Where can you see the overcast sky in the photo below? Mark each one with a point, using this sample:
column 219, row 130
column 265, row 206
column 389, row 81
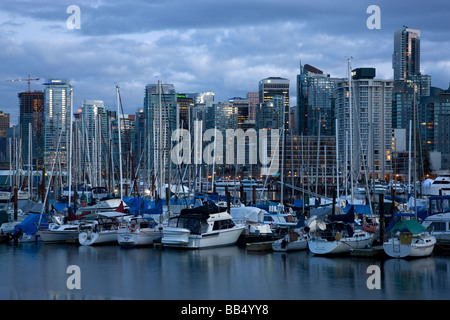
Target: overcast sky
column 205, row 45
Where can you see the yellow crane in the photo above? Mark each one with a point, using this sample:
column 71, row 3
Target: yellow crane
column 28, row 80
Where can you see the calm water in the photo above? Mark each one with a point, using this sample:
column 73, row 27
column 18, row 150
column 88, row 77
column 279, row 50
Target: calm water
column 38, row 271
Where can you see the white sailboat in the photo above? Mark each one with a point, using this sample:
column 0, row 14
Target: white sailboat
column 59, row 232
column 294, row 240
column 139, row 231
column 339, row 236
column 103, row 230
column 409, row 239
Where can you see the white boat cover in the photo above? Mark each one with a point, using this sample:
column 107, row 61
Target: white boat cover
column 248, row 214
column 112, row 214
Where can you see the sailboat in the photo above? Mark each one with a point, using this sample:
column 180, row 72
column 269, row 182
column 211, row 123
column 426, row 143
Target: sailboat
column 103, row 230
column 338, row 235
column 409, row 239
column 139, row 231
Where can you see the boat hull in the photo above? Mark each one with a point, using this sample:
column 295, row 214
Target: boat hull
column 182, row 238
column 138, row 238
column 395, row 248
column 89, row 238
column 321, row 246
column 291, row 242
column 289, row 246
column 49, row 236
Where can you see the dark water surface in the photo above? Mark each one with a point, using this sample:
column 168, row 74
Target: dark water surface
column 39, row 271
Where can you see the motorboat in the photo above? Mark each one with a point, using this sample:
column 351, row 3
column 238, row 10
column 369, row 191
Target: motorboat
column 439, row 226
column 439, row 185
column 139, row 231
column 277, row 220
column 409, row 239
column 201, row 227
column 294, row 240
column 27, row 229
column 252, row 218
column 5, row 193
column 103, row 229
column 395, row 187
column 338, row 235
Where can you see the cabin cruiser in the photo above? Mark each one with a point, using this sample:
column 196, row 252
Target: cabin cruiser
column 440, row 184
column 139, row 231
column 201, row 227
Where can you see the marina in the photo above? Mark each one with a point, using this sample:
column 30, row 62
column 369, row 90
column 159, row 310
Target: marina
column 324, row 256
column 39, row 271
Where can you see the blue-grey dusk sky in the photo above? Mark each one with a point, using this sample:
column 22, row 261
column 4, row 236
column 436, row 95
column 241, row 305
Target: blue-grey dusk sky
column 205, row 45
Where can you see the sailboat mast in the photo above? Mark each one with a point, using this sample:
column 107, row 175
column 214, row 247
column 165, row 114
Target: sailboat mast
column 119, row 131
column 70, row 147
column 409, row 160
column 351, row 125
column 337, row 158
column 160, row 158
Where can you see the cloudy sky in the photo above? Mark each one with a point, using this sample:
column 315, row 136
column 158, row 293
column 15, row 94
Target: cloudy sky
column 205, row 45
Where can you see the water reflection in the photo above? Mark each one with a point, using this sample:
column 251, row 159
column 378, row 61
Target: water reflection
column 31, row 271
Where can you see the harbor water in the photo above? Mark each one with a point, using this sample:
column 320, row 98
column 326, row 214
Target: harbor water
column 43, row 272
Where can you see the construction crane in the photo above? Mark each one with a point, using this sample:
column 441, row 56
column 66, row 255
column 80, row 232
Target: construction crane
column 28, row 80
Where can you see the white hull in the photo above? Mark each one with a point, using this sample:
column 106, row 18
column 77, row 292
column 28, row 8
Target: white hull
column 300, row 244
column 420, row 247
column 321, row 246
column 90, row 238
column 182, row 238
column 291, row 242
column 138, row 238
column 49, row 236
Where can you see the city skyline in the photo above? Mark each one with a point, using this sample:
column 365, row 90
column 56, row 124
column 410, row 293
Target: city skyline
column 199, row 46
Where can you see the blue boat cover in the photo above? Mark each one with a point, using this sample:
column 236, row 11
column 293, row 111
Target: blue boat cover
column 29, row 224
column 359, row 208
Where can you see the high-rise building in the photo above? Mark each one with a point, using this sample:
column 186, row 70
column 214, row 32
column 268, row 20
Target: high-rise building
column 58, row 109
column 185, row 105
column 315, row 102
column 32, row 112
column 253, row 99
column 162, row 118
column 95, row 131
column 272, row 87
column 406, row 57
column 434, row 124
column 371, row 132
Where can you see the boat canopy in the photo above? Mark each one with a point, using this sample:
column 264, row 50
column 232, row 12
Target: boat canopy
column 347, row 217
column 358, row 208
column 112, row 214
column 208, row 208
column 411, row 225
column 140, row 205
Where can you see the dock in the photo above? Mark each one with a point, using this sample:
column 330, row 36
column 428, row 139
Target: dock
column 367, row 252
